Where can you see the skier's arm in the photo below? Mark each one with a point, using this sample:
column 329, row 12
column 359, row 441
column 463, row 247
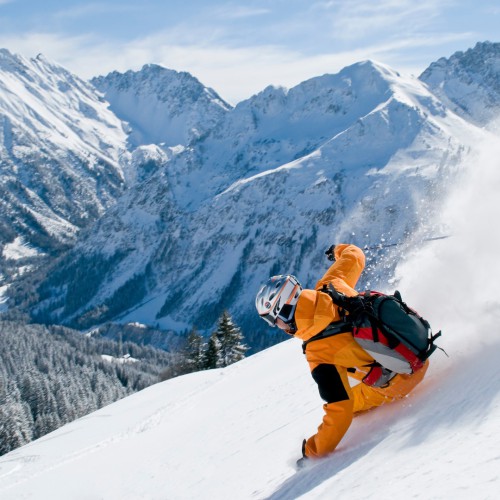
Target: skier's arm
column 344, row 273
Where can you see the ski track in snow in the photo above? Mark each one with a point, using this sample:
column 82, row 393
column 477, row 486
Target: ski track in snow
column 145, row 423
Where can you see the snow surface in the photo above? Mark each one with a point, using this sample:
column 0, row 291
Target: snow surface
column 3, row 296
column 236, row 432
column 18, row 249
column 122, row 360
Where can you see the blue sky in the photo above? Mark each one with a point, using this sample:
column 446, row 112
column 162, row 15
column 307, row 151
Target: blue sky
column 240, row 47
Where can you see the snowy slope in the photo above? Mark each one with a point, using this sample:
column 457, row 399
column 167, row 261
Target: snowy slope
column 236, row 432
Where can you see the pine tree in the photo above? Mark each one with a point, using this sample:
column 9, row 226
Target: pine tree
column 232, row 348
column 212, row 354
column 194, row 352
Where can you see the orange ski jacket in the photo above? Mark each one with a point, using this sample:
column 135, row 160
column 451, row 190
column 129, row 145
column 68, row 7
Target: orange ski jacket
column 330, row 358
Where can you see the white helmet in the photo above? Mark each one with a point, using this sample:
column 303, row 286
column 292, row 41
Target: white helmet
column 278, row 299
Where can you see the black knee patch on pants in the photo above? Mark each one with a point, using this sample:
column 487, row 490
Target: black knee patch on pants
column 331, row 388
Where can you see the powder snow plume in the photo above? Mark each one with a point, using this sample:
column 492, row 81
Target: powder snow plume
column 454, row 280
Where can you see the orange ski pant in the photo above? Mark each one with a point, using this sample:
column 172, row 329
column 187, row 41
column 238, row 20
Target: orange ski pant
column 366, row 397
column 338, row 415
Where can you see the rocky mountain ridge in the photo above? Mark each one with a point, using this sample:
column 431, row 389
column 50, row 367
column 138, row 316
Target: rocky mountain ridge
column 468, row 82
column 161, row 106
column 60, row 155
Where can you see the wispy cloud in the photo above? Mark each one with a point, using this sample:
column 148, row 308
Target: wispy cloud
column 361, row 19
column 230, row 11
column 494, row 10
column 91, row 9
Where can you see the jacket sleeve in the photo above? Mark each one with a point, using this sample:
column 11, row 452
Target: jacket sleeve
column 344, row 273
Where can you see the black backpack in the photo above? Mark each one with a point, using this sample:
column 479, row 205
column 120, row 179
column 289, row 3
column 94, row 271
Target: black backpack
column 396, row 336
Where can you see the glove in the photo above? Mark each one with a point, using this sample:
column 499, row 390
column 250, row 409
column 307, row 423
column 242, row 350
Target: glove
column 302, row 462
column 330, row 253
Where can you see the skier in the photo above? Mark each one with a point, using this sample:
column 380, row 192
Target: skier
column 305, row 313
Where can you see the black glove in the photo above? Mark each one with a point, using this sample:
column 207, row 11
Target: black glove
column 302, row 462
column 330, row 253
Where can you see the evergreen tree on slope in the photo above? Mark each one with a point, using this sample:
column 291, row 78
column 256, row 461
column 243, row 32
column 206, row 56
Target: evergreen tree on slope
column 212, row 354
column 232, row 348
column 194, row 352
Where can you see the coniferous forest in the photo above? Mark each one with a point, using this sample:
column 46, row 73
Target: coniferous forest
column 52, row 375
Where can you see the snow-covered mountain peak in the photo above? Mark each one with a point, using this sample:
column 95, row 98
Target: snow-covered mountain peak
column 366, row 76
column 43, row 72
column 469, row 82
column 280, row 125
column 162, row 105
column 41, row 94
column 277, row 126
column 369, row 68
column 62, row 152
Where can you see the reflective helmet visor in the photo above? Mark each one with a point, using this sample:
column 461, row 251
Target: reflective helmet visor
column 277, row 299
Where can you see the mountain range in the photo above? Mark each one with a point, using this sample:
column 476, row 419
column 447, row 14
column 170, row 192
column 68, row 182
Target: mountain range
column 159, row 203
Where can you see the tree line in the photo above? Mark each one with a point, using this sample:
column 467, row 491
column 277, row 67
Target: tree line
column 51, row 375
column 224, row 347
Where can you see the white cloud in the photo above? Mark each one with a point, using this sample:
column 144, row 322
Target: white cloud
column 56, row 47
column 230, row 11
column 365, row 19
column 90, row 9
column 361, row 18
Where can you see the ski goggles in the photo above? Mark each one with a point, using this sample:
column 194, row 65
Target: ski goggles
column 285, row 315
